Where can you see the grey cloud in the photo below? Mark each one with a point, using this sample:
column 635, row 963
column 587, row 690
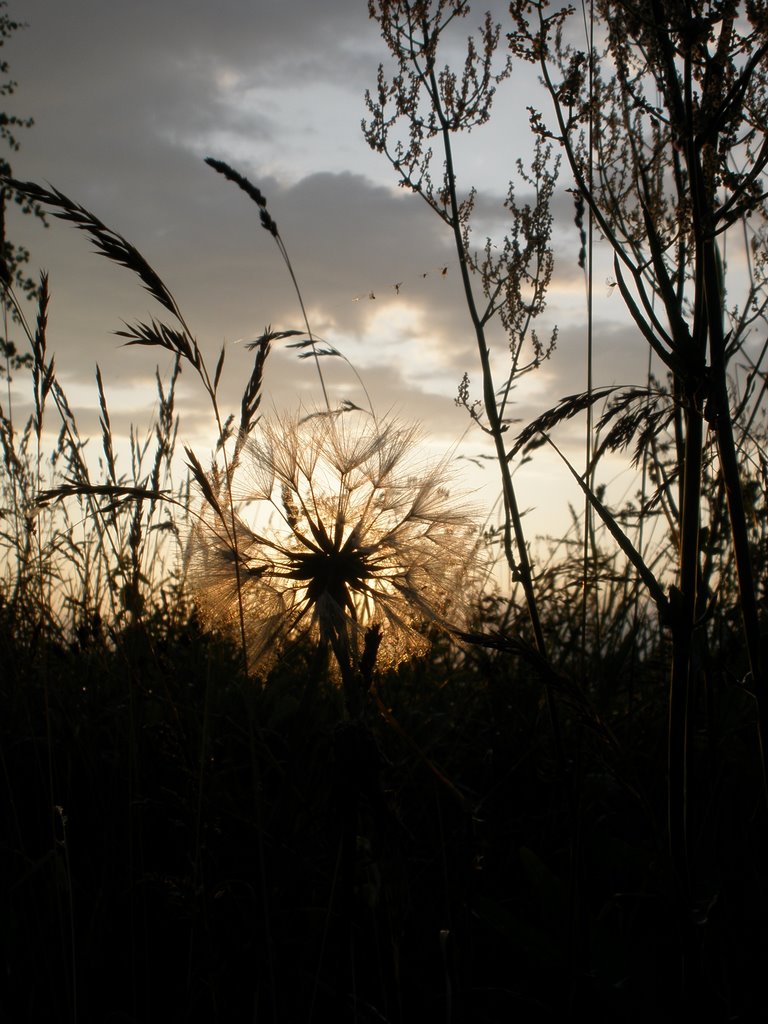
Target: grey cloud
column 127, row 100
column 105, row 82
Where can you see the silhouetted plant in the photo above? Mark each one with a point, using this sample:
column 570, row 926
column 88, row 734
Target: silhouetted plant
column 347, row 533
column 185, row 843
column 675, row 102
column 424, row 104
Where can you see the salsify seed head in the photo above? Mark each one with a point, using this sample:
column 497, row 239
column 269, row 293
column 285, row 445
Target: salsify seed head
column 346, row 530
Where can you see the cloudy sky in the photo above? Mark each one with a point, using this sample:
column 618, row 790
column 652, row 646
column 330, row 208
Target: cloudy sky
column 129, row 98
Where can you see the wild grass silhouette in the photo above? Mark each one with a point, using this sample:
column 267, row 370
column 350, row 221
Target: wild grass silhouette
column 563, row 814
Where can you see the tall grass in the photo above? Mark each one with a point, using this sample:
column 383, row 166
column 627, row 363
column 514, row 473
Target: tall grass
column 238, row 849
column 198, row 834
column 371, row 559
column 627, row 113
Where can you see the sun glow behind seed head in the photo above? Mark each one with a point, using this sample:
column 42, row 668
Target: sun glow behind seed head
column 340, row 527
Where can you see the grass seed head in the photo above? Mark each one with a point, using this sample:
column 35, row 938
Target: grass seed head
column 349, row 531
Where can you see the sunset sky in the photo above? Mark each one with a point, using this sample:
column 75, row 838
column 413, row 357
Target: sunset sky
column 129, row 98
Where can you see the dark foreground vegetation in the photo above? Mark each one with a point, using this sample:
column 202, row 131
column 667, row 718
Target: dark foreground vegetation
column 184, row 844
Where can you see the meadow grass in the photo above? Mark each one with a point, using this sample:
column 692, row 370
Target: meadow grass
column 190, row 841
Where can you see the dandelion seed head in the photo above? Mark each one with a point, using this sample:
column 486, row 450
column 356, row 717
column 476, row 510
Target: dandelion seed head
column 348, row 530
